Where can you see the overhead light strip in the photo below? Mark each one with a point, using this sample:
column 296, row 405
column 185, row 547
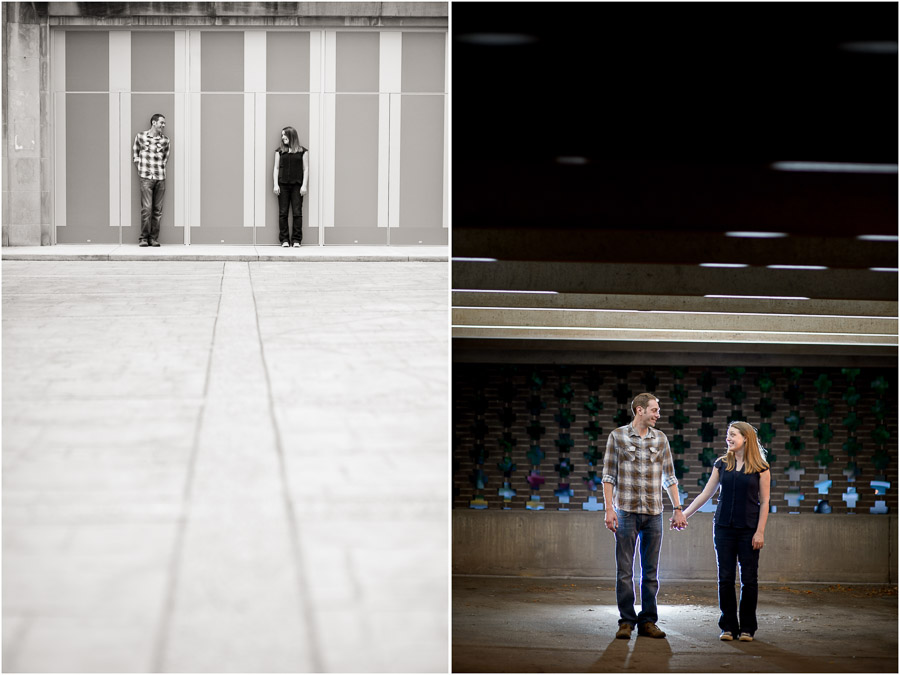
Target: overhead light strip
column 834, row 167
column 673, row 311
column 673, row 330
column 756, row 235
column 473, row 259
column 470, row 290
column 796, row 267
column 706, row 341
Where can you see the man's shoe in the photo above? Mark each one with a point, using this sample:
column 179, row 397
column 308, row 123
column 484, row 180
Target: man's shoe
column 649, row 629
column 153, row 242
column 746, row 637
column 624, row 632
column 143, row 242
column 726, row 636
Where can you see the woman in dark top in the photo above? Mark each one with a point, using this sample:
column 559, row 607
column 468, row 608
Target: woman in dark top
column 291, row 174
column 740, row 524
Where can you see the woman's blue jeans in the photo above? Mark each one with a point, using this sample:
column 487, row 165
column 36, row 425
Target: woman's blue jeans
column 733, row 545
column 634, row 527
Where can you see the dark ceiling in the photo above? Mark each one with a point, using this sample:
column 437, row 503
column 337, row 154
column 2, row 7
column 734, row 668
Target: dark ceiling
column 679, row 109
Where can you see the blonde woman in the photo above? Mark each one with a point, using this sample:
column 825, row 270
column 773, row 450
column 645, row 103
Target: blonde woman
column 740, row 525
column 290, row 177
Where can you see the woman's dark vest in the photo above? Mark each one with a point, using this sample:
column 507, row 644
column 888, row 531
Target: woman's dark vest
column 290, row 166
column 739, row 498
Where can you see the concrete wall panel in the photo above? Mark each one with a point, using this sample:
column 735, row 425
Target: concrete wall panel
column 87, row 61
column 287, row 61
column 421, row 171
column 222, row 173
column 357, row 59
column 423, row 62
column 152, row 61
column 356, row 172
column 87, row 171
column 222, row 61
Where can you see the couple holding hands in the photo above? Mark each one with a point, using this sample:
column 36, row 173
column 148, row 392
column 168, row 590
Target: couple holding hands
column 637, row 466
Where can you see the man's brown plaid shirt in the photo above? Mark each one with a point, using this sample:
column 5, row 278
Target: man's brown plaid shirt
column 639, row 469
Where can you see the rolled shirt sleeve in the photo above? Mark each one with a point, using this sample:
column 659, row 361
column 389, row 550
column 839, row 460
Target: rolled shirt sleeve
column 610, row 462
column 668, row 467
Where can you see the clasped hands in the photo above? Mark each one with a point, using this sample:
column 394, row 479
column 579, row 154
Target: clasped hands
column 678, row 521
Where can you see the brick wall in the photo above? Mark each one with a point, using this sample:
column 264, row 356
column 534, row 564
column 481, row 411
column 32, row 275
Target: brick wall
column 511, row 388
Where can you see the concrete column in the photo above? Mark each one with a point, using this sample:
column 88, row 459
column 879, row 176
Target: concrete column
column 26, row 127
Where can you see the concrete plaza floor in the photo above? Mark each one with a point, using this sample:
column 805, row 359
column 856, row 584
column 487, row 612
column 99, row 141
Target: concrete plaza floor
column 225, row 466
column 552, row 625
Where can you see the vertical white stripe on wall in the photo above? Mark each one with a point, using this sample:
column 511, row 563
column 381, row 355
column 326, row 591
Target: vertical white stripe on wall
column 390, row 68
column 126, row 166
column 179, row 151
column 249, row 164
column 179, row 158
column 260, row 160
column 194, row 160
column 446, row 204
column 316, row 46
column 58, row 86
column 390, row 46
column 384, row 157
column 193, row 117
column 119, row 60
column 254, row 141
column 329, row 109
column 114, row 170
column 447, row 131
column 119, row 144
column 394, row 189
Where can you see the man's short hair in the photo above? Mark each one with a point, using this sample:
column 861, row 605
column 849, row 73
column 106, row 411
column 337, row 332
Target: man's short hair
column 641, row 401
column 155, row 117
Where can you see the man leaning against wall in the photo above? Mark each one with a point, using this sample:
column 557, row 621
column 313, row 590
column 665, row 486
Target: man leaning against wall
column 150, row 153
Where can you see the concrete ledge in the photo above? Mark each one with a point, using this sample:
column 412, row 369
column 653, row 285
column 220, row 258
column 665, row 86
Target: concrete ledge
column 229, row 253
column 859, row 548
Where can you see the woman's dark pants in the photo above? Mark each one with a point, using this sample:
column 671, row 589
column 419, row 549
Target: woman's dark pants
column 733, row 546
column 290, row 197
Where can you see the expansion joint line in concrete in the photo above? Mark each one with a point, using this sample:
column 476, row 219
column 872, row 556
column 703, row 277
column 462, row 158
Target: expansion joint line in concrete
column 165, row 621
column 306, row 608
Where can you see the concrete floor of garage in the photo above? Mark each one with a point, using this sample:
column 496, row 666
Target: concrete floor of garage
column 553, row 625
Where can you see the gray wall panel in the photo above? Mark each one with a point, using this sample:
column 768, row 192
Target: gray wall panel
column 421, row 161
column 222, row 171
column 423, row 57
column 87, row 61
column 143, row 106
column 87, row 171
column 357, row 64
column 284, row 110
column 222, row 61
column 356, row 161
column 152, row 61
column 287, row 61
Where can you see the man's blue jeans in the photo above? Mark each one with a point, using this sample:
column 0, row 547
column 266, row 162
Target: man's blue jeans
column 634, row 527
column 152, row 193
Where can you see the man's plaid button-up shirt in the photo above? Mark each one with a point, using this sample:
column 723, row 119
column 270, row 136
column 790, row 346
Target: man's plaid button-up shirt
column 639, row 469
column 151, row 153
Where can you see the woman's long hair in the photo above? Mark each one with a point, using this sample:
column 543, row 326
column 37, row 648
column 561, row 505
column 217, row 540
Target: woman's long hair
column 293, row 139
column 754, row 453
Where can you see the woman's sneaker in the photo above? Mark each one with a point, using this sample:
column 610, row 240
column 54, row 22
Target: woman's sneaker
column 296, row 244
column 285, row 244
column 726, row 636
column 746, row 637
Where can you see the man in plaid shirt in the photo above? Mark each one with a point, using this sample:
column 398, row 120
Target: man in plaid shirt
column 636, row 468
column 150, row 153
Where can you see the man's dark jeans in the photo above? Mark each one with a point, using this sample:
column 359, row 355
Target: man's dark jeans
column 734, row 544
column 290, row 196
column 152, row 193
column 648, row 529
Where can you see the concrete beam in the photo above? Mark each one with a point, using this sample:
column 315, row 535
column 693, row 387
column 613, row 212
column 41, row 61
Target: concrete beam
column 647, row 279
column 859, row 548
